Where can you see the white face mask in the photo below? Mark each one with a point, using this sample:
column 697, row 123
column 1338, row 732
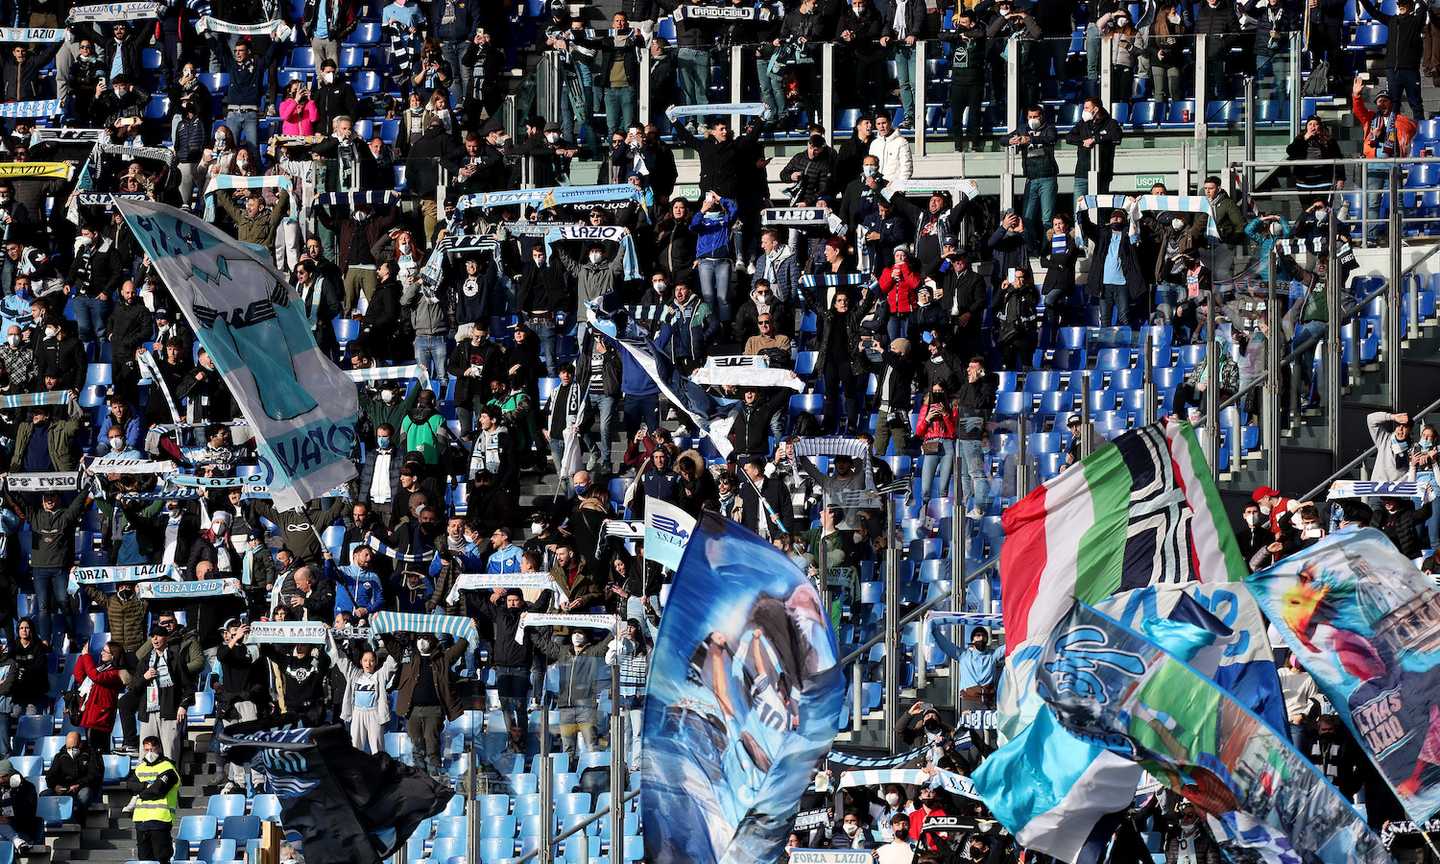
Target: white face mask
column 1177, row 224
column 552, row 137
column 387, row 396
column 1174, row 19
column 1087, row 115
column 892, row 798
column 1034, row 124
column 1265, row 509
column 577, row 640
column 423, row 646
column 117, row 443
column 51, row 331
column 537, row 528
column 595, row 257
column 851, row 829
column 328, row 77
column 1254, row 518
column 14, row 340
column 359, row 216
column 151, row 757
column 870, row 170
column 658, row 286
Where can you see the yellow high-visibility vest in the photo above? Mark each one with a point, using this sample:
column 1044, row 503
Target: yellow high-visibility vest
column 162, row 809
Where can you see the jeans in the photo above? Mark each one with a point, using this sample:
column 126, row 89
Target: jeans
column 935, row 468
column 772, row 91
column 575, row 105
column 1082, row 184
column 1431, row 534
column 904, row 57
column 974, row 480
column 1406, row 82
column 91, row 313
column 1167, row 297
column 1114, row 300
column 640, row 409
column 1309, row 376
column 244, row 125
column 1038, row 209
column 430, row 353
column 1378, row 182
column 512, row 686
column 599, row 447
column 619, row 108
column 547, row 333
column 51, row 596
column 451, row 52
column 715, row 284
column 423, row 726
column 694, row 66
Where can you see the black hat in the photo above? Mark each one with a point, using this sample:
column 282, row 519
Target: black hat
column 122, row 78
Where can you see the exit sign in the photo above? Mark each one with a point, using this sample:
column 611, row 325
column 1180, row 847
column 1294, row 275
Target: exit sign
column 1145, row 181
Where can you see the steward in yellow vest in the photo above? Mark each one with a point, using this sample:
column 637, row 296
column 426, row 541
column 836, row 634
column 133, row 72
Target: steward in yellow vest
column 157, row 797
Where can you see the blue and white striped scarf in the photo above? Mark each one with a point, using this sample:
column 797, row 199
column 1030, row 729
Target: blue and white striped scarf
column 201, row 588
column 414, row 622
column 388, row 551
column 32, row 108
column 1153, row 204
column 107, row 575
column 31, row 400
column 390, row 373
column 552, row 196
column 607, row 233
column 275, row 29
column 227, row 182
column 834, row 280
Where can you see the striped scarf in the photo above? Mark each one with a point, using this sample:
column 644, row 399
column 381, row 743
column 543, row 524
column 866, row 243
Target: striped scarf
column 402, row 51
column 390, row 373
column 31, row 400
column 130, row 12
column 414, row 622
column 353, row 199
column 275, row 29
column 226, row 182
column 395, row 554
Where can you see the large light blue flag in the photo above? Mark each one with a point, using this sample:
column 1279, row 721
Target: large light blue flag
column 301, row 407
column 743, row 701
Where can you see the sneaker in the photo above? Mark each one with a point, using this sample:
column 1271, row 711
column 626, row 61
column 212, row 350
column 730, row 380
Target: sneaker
column 974, row 513
column 907, row 123
column 230, row 788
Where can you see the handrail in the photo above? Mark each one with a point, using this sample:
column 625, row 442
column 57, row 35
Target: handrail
column 1325, row 484
column 1391, row 160
column 865, row 646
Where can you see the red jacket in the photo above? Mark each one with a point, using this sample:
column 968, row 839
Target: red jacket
column 99, row 712
column 941, row 428
column 899, row 283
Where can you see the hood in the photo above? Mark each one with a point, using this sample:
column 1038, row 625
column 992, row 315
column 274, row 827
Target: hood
column 693, row 459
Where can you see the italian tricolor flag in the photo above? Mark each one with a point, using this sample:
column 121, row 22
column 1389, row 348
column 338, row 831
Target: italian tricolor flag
column 1140, row 511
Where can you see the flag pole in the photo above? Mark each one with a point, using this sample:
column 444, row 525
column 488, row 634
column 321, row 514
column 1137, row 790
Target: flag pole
column 1428, row 842
column 617, row 758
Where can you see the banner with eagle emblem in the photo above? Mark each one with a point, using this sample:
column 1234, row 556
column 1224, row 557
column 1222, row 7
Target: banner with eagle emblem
column 301, row 407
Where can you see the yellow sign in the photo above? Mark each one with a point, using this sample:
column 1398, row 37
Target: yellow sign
column 38, row 170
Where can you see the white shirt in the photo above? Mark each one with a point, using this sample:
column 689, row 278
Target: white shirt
column 895, row 853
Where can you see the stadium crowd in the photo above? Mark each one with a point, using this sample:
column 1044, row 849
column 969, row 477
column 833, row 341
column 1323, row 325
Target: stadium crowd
column 905, row 312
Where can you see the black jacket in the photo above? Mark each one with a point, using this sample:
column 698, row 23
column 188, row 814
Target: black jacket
column 83, row 769
column 721, row 162
column 1135, row 281
column 1107, row 134
column 1404, row 46
column 544, row 289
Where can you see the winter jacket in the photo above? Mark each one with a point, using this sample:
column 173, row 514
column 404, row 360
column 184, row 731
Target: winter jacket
column 579, row 676
column 125, row 618
column 937, row 420
column 712, row 231
column 593, row 281
column 688, row 330
column 1015, row 315
column 355, row 677
column 409, row 676
column 893, row 151
column 1392, row 459
column 107, row 680
column 899, row 282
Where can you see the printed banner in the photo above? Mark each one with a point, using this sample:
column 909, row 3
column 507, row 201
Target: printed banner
column 47, row 481
column 35, row 170
column 31, row 34
column 817, row 818
column 189, row 590
column 1405, row 826
column 699, row 408
column 130, row 12
column 743, row 701
column 1373, row 489
column 107, row 465
column 287, row 632
column 842, row 759
column 607, row 233
column 609, row 623
column 491, row 581
column 667, row 530
column 727, row 374
column 623, row 528
column 825, row 856
column 1113, row 686
column 552, row 196
column 1366, row 625
column 956, row 784
column 722, row 13
column 748, row 109
column 106, row 575
column 795, row 217
column 275, row 29
column 301, row 408
column 32, row 108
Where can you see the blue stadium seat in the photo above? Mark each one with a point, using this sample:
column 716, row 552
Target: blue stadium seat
column 216, row 851
column 367, row 33
column 54, row 809
column 117, row 768
column 266, row 806
column 496, row 849
column 1012, row 404
column 451, row 826
column 158, row 107
column 221, row 806
column 446, row 847
column 1368, row 35
column 301, row 57
column 194, row 829
column 366, row 83
column 352, row 57
column 32, row 728
column 240, row 828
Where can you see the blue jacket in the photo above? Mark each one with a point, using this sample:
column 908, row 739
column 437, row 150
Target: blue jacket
column 687, row 331
column 505, row 560
column 134, row 435
column 356, row 588
column 633, row 380
column 712, row 231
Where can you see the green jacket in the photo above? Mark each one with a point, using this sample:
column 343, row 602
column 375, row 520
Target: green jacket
column 378, row 412
column 61, row 435
column 260, row 228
